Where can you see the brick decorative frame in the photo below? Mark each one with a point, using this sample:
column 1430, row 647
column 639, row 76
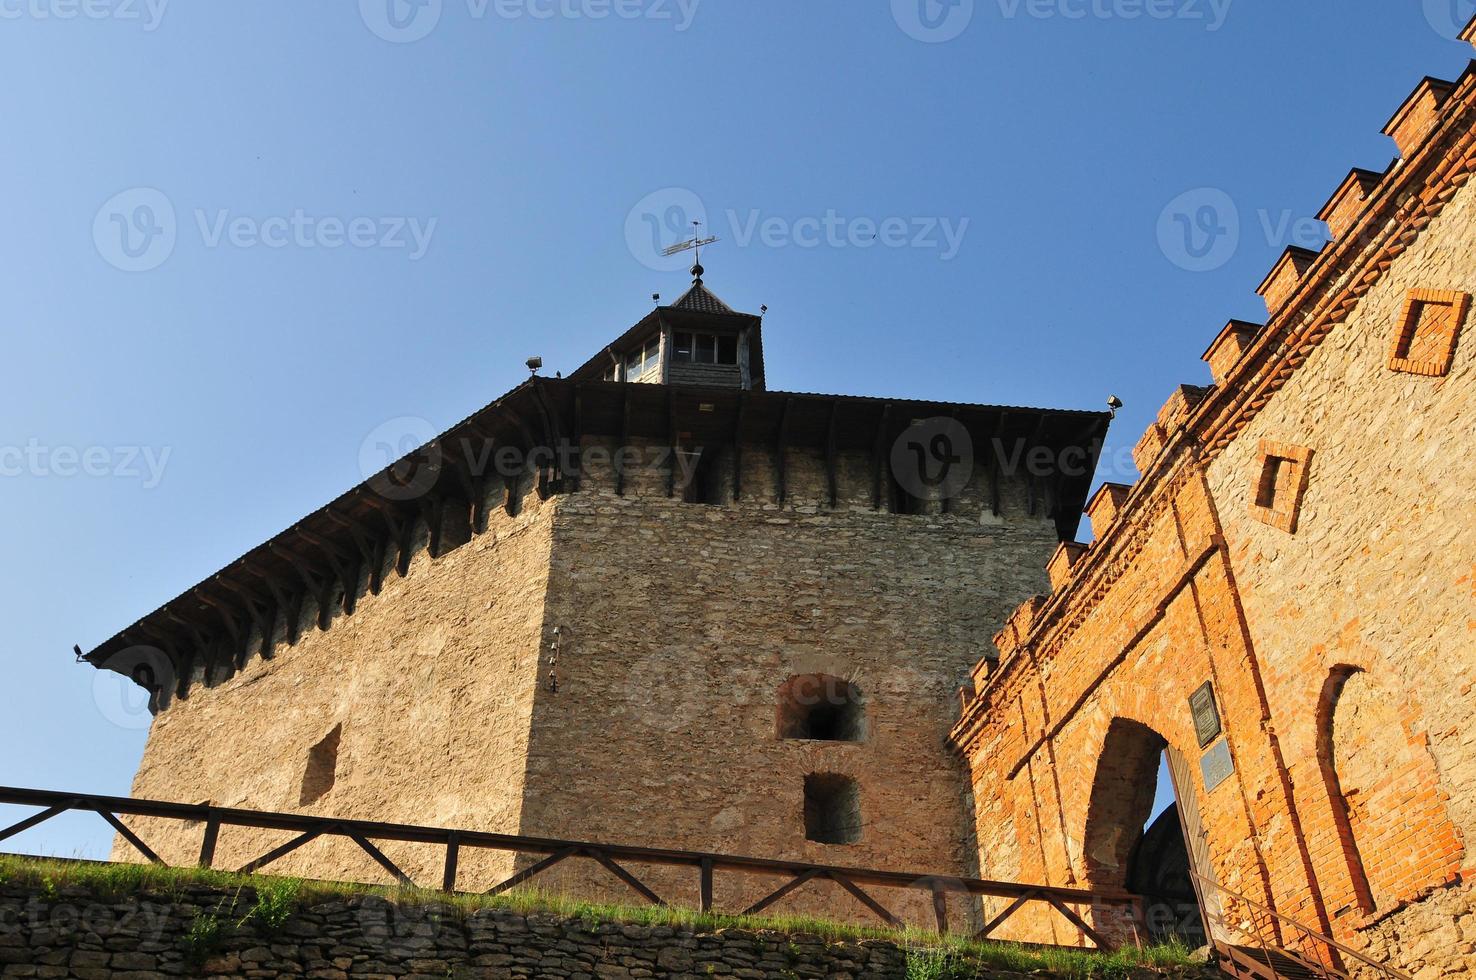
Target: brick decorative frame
column 1429, row 329
column 1290, row 465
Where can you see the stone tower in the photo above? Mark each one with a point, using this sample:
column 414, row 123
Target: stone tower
column 653, row 603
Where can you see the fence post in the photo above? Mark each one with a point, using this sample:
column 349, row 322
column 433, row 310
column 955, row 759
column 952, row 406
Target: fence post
column 207, row 843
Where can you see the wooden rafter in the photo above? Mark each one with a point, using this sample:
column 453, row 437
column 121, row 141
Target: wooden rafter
column 830, row 455
column 780, row 446
column 878, row 456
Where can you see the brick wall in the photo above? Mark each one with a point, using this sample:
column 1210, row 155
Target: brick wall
column 1337, row 636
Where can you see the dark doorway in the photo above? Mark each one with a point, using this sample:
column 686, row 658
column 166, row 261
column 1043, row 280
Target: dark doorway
column 1135, row 837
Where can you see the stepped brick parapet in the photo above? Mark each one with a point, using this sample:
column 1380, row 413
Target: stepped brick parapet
column 1284, row 603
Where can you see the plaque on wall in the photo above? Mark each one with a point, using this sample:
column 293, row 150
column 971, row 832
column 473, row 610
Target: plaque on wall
column 1217, row 765
column 1206, row 714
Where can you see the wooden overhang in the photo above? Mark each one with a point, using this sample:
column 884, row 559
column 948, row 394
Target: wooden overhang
column 323, row 555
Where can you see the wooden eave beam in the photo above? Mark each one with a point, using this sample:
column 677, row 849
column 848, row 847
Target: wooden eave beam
column 878, row 450
column 624, row 439
column 672, row 440
column 782, row 444
column 830, row 454
column 576, row 436
column 738, row 446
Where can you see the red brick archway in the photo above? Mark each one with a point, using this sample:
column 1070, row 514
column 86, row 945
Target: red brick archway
column 1121, row 800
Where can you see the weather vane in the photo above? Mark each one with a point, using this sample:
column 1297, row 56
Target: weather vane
column 695, row 245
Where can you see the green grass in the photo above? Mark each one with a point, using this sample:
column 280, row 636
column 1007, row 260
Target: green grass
column 930, row 957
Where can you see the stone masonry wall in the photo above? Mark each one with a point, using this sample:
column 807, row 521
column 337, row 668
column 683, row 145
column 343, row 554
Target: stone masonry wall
column 74, row 934
column 679, row 624
column 69, row 932
column 1377, row 581
column 430, row 685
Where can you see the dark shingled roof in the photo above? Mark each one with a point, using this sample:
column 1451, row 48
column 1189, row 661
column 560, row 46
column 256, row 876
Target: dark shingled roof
column 702, row 300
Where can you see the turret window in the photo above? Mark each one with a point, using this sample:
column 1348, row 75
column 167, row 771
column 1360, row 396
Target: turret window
column 643, row 359
column 705, row 348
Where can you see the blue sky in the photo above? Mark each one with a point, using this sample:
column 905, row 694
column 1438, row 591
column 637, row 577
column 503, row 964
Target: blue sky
column 335, row 224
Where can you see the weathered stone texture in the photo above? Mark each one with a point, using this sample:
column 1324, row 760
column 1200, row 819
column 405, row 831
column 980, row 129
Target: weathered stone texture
column 654, row 721
column 1338, row 639
column 1377, row 579
column 680, row 623
column 431, row 681
column 71, row 933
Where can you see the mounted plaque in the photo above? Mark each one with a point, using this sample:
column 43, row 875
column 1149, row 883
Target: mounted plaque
column 1216, row 765
column 1206, row 714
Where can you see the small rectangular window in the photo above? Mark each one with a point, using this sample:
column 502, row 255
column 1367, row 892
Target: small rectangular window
column 683, row 352
column 727, row 350
column 832, row 809
column 1272, row 481
column 706, row 350
column 1280, row 484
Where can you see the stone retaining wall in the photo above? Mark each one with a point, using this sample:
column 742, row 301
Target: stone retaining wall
column 70, row 932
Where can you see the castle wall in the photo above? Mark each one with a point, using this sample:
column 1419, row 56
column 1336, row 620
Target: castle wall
column 1377, row 581
column 680, row 622
column 429, row 685
column 1338, row 643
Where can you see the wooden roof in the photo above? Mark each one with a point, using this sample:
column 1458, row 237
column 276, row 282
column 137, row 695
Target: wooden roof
column 323, row 554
